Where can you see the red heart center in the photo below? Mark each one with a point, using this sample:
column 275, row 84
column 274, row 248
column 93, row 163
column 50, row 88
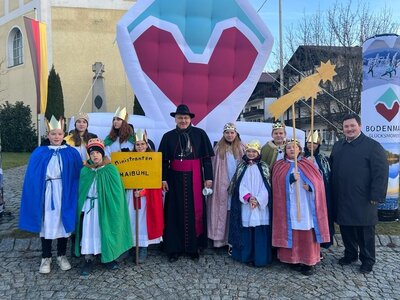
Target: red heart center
column 387, row 113
column 200, row 86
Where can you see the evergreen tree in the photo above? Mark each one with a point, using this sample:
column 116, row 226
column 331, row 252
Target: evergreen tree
column 55, row 97
column 17, row 132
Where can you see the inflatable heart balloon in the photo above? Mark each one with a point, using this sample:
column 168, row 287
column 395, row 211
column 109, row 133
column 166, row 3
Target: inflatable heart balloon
column 206, row 54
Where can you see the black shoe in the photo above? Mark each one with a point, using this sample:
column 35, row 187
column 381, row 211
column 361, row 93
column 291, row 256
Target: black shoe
column 87, row 267
column 111, row 265
column 307, row 270
column 344, row 261
column 295, row 267
column 365, row 269
column 194, row 256
column 173, row 257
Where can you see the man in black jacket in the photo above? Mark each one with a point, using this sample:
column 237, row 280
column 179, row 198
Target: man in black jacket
column 359, row 182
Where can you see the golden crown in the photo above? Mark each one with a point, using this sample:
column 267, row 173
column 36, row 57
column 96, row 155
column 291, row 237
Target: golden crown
column 254, row 145
column 277, row 125
column 291, row 141
column 121, row 113
column 229, row 126
column 82, row 115
column 54, row 124
column 314, row 138
column 141, row 135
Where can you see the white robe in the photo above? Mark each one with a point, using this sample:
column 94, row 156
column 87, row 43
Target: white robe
column 306, row 221
column 117, row 146
column 82, row 151
column 91, row 232
column 52, row 226
column 252, row 183
column 143, row 235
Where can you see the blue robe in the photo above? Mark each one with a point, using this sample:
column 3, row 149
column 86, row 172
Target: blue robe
column 33, row 191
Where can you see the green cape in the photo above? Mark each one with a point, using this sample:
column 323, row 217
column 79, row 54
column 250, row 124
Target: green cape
column 116, row 237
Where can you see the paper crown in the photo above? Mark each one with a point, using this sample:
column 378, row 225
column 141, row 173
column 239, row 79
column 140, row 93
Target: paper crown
column 291, row 142
column 314, row 138
column 229, row 126
column 278, row 125
column 254, row 145
column 54, row 124
column 121, row 113
column 141, row 135
column 95, row 144
column 82, row 115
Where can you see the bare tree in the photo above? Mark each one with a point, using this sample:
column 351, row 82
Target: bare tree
column 337, row 35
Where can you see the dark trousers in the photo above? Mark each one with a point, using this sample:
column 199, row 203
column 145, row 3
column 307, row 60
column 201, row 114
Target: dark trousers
column 61, row 247
column 359, row 237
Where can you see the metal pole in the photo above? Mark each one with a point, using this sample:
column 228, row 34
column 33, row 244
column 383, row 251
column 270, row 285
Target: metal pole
column 281, row 53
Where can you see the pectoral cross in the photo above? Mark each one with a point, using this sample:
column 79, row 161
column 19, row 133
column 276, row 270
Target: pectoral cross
column 181, row 155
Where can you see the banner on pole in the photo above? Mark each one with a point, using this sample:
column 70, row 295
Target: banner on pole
column 139, row 170
column 36, row 35
column 380, row 101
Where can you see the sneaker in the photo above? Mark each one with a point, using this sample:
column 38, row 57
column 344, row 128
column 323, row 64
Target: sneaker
column 344, row 261
column 142, row 254
column 87, row 267
column 63, row 262
column 45, row 266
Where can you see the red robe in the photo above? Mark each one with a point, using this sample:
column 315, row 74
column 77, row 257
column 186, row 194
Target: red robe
column 154, row 212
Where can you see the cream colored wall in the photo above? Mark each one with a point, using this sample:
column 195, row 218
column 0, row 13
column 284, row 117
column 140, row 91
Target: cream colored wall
column 13, row 5
column 81, row 37
column 27, row 1
column 2, row 8
column 16, row 83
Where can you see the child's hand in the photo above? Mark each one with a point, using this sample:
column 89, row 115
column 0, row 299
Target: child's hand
column 253, row 202
column 296, row 176
column 137, row 194
column 306, row 187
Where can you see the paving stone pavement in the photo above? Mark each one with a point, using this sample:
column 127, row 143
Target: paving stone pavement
column 214, row 276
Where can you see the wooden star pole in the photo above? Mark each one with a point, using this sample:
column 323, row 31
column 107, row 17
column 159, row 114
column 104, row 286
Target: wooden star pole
column 306, row 88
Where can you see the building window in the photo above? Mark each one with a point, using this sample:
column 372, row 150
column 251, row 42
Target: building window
column 15, row 48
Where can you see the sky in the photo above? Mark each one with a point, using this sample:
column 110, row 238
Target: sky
column 294, row 10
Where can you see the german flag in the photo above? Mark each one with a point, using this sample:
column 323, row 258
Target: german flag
column 36, row 34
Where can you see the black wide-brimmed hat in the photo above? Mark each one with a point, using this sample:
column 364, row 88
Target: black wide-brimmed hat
column 182, row 109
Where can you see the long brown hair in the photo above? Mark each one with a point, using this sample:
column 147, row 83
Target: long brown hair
column 123, row 133
column 77, row 138
column 236, row 146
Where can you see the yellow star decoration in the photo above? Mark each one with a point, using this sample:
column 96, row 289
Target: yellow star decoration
column 309, row 86
column 326, row 71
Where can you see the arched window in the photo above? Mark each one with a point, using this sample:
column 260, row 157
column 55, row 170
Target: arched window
column 15, row 48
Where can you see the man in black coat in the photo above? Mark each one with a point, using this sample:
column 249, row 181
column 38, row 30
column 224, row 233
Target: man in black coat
column 359, row 182
column 186, row 152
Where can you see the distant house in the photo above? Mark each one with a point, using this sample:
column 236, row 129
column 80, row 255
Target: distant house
column 265, row 92
column 346, row 87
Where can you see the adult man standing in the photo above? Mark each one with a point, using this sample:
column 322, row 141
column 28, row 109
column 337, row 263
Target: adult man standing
column 274, row 150
column 187, row 168
column 359, row 182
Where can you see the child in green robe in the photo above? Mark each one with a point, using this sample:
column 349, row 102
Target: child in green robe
column 103, row 220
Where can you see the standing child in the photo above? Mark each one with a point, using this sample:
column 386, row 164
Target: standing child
column 50, row 194
column 150, row 208
column 250, row 230
column 300, row 221
column 121, row 136
column 103, row 219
